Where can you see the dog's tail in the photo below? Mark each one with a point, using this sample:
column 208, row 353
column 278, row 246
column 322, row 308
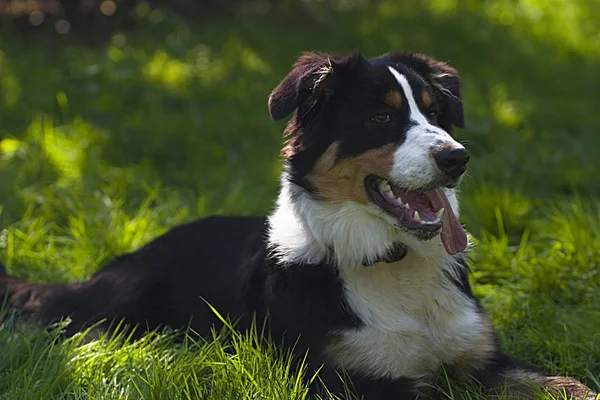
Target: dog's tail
column 109, row 298
column 23, row 297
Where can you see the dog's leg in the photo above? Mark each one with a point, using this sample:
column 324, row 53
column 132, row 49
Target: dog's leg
column 506, row 378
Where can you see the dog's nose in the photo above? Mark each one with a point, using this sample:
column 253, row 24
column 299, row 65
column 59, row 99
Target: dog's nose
column 452, row 161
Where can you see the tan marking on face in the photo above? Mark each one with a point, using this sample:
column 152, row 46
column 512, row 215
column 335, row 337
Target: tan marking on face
column 393, row 98
column 345, row 180
column 426, row 99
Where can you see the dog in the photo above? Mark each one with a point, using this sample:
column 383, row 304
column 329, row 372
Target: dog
column 362, row 262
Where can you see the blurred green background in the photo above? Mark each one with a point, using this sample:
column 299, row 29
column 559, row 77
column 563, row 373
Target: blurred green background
column 183, row 97
column 120, row 120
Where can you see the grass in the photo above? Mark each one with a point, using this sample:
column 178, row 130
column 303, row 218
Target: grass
column 104, row 148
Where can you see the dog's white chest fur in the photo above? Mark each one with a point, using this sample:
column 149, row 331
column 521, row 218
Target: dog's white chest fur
column 415, row 320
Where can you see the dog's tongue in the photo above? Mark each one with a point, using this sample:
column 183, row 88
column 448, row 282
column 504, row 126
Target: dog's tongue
column 454, row 237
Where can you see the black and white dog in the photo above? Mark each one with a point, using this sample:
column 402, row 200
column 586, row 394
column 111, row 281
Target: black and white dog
column 362, row 260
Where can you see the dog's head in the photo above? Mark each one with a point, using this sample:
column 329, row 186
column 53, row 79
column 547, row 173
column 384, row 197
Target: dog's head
column 376, row 132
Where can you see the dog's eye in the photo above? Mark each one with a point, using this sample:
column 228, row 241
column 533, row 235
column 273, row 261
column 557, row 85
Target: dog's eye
column 382, row 118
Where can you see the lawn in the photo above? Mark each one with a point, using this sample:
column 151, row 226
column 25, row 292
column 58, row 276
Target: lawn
column 104, row 147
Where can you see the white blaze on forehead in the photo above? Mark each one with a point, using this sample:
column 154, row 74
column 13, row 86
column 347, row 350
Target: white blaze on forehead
column 415, row 113
column 414, row 166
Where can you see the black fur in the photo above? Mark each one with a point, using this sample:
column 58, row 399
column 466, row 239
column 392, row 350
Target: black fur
column 329, row 92
column 224, row 261
column 445, row 82
column 396, row 253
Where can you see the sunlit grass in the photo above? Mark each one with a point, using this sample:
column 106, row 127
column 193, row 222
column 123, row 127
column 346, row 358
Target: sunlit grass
column 160, row 365
column 102, row 149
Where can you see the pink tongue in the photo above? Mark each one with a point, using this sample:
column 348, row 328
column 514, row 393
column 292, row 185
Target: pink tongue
column 454, row 237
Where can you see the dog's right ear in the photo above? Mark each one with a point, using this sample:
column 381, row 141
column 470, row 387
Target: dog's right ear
column 314, row 77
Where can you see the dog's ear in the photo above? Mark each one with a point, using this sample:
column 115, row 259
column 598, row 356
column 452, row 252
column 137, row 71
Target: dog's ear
column 446, row 82
column 314, row 77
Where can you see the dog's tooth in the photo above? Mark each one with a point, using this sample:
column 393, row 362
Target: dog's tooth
column 417, row 217
column 405, row 205
column 439, row 213
column 385, row 187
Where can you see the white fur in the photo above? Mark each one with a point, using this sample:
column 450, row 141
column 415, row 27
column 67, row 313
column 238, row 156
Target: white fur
column 414, row 166
column 307, row 230
column 415, row 319
column 303, row 231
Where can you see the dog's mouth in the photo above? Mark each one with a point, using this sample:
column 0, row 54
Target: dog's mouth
column 425, row 214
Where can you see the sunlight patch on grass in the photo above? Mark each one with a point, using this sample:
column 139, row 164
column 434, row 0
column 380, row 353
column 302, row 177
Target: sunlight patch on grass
column 568, row 23
column 30, row 243
column 8, row 147
column 66, row 146
column 202, row 64
column 506, row 111
column 168, row 71
column 64, row 154
column 253, row 61
column 441, row 7
column 127, row 233
column 160, row 365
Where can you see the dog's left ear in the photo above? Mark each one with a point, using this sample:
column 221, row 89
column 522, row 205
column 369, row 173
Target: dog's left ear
column 313, row 79
column 446, row 82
